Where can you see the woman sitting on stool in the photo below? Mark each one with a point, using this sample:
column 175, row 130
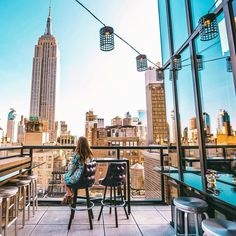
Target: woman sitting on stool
column 83, row 154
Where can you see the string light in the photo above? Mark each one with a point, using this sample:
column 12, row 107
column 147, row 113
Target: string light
column 102, row 39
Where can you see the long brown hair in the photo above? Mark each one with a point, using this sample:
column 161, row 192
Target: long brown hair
column 83, row 149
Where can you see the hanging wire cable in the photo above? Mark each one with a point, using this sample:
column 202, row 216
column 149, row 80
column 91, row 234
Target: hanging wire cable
column 203, row 50
column 114, row 32
column 209, row 60
column 90, row 12
column 212, row 6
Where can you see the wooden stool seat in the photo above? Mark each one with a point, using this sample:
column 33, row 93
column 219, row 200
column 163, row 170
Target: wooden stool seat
column 9, row 208
column 31, row 176
column 19, row 182
column 8, row 191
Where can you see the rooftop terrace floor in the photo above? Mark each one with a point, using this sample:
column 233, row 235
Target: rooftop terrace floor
column 53, row 220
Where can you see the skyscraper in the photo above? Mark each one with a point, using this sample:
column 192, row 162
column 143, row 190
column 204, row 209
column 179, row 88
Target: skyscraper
column 206, row 123
column 44, row 78
column 21, row 130
column 156, row 108
column 11, row 125
column 142, row 115
column 224, row 122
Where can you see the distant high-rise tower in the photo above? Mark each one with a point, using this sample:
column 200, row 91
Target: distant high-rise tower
column 206, row 123
column 21, row 130
column 45, row 74
column 11, row 125
column 157, row 129
column 224, row 123
column 142, row 115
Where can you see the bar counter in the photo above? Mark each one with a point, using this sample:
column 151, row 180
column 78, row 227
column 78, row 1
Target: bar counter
column 224, row 191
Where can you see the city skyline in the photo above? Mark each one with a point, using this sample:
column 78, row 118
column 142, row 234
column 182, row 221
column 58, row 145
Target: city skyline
column 82, row 87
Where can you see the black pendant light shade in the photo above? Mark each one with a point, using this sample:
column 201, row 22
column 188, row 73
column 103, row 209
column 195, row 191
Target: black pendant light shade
column 106, row 38
column 177, row 63
column 208, row 27
column 141, row 61
column 228, row 64
column 199, row 59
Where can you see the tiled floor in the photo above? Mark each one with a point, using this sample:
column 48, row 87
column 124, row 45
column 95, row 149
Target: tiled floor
column 144, row 220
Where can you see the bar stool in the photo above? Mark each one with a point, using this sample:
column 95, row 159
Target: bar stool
column 0, row 216
column 85, row 181
column 34, row 190
column 8, row 193
column 24, row 195
column 218, row 227
column 115, row 179
column 189, row 205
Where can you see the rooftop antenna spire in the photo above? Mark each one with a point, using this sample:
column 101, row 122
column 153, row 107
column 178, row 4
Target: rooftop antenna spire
column 48, row 30
column 49, row 14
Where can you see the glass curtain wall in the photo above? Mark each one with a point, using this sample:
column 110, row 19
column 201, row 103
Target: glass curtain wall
column 164, row 31
column 179, row 24
column 217, row 90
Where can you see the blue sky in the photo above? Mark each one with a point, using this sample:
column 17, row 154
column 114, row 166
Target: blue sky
column 106, row 82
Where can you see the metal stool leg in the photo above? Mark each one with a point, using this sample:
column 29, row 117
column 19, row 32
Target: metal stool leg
column 104, row 197
column 186, row 223
column 115, row 207
column 196, row 224
column 7, row 215
column 175, row 221
column 33, row 194
column 24, row 203
column 73, row 205
column 16, row 212
column 122, row 199
column 89, row 211
column 1, row 218
column 29, row 199
column 110, row 199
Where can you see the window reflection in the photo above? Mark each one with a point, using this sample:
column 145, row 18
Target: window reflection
column 234, row 10
column 188, row 123
column 169, row 108
column 177, row 22
column 164, row 31
column 198, row 9
column 217, row 89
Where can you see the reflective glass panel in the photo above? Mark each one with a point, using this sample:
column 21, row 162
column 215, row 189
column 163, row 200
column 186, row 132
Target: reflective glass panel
column 178, row 22
column 164, row 31
column 198, row 9
column 217, row 92
column 186, row 101
column 170, row 107
column 234, row 9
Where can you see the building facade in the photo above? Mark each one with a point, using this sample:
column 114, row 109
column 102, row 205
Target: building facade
column 157, row 130
column 45, row 75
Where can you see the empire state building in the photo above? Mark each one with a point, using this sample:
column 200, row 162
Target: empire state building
column 44, row 79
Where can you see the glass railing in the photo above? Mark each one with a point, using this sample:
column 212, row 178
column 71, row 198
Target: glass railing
column 49, row 163
column 143, row 183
